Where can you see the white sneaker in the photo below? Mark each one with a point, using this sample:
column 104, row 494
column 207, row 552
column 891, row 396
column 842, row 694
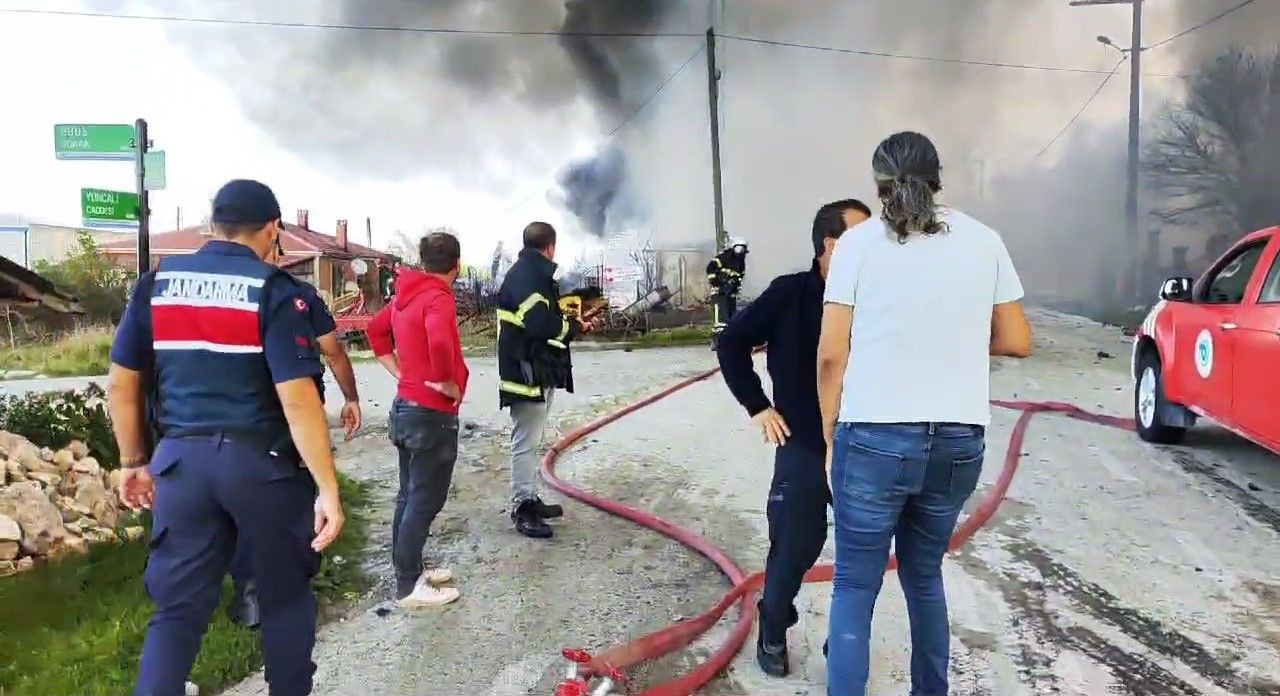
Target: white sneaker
column 437, row 576
column 426, row 595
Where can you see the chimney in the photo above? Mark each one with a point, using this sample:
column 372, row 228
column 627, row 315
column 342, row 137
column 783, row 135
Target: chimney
column 302, row 219
column 342, row 234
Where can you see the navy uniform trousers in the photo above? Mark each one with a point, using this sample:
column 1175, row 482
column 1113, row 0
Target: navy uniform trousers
column 797, row 511
column 209, row 491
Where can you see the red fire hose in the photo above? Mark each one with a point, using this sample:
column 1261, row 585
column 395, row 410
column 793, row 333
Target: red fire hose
column 681, row 634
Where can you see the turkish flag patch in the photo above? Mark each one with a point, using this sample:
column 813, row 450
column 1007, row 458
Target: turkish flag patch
column 300, row 304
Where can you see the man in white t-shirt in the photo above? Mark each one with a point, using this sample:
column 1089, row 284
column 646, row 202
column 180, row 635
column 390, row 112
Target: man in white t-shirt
column 917, row 300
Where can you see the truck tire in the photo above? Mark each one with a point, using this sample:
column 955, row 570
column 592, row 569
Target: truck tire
column 1149, row 401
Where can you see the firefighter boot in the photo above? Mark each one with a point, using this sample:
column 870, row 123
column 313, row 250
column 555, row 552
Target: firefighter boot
column 528, row 523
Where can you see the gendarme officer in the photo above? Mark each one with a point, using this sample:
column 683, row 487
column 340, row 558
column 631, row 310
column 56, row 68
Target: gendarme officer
column 219, row 342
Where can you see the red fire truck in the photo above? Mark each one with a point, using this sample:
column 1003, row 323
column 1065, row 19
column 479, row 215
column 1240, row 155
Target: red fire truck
column 1211, row 348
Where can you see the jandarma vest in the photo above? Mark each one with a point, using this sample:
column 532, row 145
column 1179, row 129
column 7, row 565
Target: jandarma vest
column 207, row 318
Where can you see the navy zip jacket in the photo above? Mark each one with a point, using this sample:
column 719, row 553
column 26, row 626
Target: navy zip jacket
column 787, row 317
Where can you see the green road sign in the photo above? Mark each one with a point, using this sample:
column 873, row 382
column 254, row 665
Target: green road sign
column 153, row 174
column 73, row 141
column 109, row 208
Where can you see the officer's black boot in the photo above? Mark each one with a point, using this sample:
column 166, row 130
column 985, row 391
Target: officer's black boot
column 547, row 511
column 528, row 523
column 771, row 649
column 244, row 609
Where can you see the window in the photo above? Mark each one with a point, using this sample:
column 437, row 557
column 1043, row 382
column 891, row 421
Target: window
column 1271, row 286
column 1228, row 282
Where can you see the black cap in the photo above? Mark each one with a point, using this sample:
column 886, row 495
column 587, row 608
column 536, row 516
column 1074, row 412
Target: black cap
column 245, row 202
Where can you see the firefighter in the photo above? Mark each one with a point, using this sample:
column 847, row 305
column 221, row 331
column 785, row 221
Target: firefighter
column 724, row 275
column 533, row 362
column 224, row 340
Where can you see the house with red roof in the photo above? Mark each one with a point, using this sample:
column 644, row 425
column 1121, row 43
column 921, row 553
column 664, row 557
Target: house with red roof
column 335, row 265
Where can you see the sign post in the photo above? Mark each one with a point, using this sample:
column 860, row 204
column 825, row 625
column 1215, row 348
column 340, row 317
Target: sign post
column 92, row 141
column 144, row 210
column 110, row 209
column 121, row 142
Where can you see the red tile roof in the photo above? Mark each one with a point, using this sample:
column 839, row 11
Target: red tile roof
column 299, row 244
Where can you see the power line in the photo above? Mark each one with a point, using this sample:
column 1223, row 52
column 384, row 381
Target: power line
column 927, row 59
column 623, row 124
column 636, row 112
column 280, row 24
column 1075, row 118
column 1201, row 25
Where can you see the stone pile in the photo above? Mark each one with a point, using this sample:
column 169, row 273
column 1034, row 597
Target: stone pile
column 54, row 504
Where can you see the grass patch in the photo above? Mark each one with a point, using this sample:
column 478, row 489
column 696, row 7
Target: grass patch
column 77, row 627
column 82, row 353
column 677, row 336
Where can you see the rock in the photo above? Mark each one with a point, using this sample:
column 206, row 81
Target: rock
column 71, row 510
column 9, row 529
column 102, row 504
column 8, row 550
column 113, row 480
column 63, row 458
column 73, row 544
column 15, row 470
column 26, row 564
column 8, row 568
column 88, row 465
column 100, row 535
column 78, row 449
column 134, row 533
column 19, row 448
column 47, row 479
column 40, row 520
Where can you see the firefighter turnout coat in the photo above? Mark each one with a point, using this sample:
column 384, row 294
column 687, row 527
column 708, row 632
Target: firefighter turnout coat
column 533, row 334
column 724, row 273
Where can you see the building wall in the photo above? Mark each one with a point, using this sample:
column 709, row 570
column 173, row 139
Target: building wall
column 54, row 243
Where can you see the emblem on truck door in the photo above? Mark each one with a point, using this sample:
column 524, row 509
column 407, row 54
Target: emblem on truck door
column 1204, row 353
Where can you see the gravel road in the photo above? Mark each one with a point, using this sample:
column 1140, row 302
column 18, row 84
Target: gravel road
column 1114, row 567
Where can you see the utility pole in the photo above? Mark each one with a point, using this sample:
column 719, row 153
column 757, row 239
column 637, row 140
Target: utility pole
column 1128, row 287
column 713, row 87
column 144, row 208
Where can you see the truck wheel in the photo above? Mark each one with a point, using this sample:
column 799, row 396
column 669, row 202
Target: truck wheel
column 1149, row 400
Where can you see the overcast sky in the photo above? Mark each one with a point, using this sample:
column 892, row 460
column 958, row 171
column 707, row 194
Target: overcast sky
column 91, row 70
column 60, row 69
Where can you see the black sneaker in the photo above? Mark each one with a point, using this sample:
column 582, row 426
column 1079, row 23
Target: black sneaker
column 547, row 511
column 528, row 523
column 244, row 609
column 772, row 657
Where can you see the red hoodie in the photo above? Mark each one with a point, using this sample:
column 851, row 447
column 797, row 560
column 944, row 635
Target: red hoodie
column 424, row 321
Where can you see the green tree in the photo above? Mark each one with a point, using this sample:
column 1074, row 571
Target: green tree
column 100, row 285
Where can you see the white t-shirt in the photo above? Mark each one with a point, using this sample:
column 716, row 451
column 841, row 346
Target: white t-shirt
column 920, row 343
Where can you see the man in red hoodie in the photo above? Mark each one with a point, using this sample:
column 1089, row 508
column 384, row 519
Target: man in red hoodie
column 416, row 339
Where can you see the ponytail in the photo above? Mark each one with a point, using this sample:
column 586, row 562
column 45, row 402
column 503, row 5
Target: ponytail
column 908, row 206
column 908, row 175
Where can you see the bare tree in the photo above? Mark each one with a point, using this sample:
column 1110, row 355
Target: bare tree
column 1215, row 159
column 406, row 247
column 646, row 259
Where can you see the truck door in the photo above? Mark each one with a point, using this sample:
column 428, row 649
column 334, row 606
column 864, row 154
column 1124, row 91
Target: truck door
column 1205, row 332
column 1255, row 405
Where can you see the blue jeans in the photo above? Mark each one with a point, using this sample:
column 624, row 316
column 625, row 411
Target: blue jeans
column 905, row 482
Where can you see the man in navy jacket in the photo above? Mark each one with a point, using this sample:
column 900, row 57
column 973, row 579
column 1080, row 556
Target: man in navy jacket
column 787, row 318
